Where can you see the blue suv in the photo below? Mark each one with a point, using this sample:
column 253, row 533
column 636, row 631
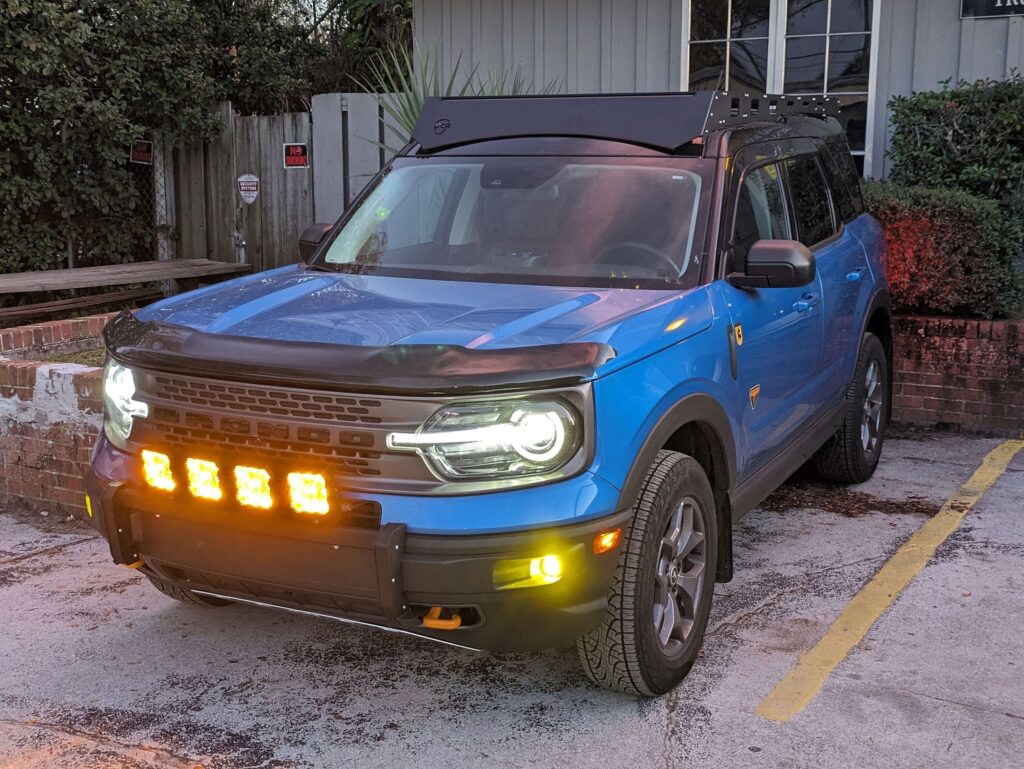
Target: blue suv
column 521, row 393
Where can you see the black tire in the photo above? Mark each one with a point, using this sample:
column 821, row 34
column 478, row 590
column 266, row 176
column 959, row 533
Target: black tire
column 625, row 652
column 171, row 590
column 848, row 456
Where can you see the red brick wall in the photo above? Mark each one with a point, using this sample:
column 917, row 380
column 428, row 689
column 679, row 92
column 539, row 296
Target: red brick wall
column 50, row 415
column 23, row 341
column 968, row 373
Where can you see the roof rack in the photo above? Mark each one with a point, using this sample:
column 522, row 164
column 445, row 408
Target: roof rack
column 732, row 109
column 664, row 121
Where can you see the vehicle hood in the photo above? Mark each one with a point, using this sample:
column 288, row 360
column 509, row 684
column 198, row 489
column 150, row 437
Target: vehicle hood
column 295, row 304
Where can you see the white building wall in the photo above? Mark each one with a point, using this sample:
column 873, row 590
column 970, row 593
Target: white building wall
column 637, row 45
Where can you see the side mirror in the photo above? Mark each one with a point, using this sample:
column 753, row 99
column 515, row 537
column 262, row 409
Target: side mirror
column 312, row 237
column 775, row 264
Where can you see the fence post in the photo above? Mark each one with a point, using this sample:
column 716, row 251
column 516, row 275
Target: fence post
column 328, row 157
column 163, row 203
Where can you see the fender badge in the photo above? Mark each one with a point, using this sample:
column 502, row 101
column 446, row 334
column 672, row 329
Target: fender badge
column 739, row 335
column 754, row 392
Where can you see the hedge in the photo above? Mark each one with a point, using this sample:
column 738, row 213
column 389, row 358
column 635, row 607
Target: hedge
column 970, row 137
column 949, row 252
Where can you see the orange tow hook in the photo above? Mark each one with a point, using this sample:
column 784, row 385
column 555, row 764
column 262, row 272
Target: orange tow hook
column 432, row 619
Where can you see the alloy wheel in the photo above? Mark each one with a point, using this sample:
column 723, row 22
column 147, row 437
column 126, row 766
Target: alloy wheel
column 679, row 578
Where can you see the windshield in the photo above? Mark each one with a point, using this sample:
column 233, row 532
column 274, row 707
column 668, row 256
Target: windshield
column 588, row 221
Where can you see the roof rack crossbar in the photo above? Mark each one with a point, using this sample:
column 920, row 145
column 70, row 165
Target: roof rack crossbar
column 664, row 121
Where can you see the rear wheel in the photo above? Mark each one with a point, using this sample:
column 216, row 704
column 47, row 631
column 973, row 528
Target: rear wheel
column 171, row 590
column 851, row 455
column 660, row 599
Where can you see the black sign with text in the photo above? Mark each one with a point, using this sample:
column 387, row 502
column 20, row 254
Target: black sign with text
column 296, row 156
column 979, row 9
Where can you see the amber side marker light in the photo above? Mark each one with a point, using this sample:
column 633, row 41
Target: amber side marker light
column 607, row 540
column 307, row 493
column 203, row 479
column 252, row 487
column 156, row 469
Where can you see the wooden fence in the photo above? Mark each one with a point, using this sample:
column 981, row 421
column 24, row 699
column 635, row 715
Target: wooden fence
column 207, row 215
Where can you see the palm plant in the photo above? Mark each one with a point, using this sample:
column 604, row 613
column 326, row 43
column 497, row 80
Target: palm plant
column 402, row 85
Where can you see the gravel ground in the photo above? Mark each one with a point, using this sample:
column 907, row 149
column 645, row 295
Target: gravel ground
column 97, row 669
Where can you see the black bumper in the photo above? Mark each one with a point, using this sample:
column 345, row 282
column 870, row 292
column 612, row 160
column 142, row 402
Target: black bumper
column 384, row 577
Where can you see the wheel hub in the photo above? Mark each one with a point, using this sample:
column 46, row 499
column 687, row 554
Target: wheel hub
column 871, row 410
column 679, row 577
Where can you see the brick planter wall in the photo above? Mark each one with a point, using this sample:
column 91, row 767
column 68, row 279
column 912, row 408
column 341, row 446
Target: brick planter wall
column 967, row 373
column 50, row 414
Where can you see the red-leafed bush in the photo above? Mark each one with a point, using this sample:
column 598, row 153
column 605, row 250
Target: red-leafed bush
column 949, row 252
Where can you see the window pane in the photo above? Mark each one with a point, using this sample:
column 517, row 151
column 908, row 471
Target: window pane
column 853, row 117
column 748, row 65
column 851, row 16
column 750, row 18
column 810, row 200
column 805, row 65
column 807, row 17
column 760, row 213
column 842, row 187
column 709, row 19
column 848, row 62
column 707, row 66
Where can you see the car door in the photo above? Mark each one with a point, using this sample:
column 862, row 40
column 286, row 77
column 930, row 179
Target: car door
column 776, row 332
column 846, row 278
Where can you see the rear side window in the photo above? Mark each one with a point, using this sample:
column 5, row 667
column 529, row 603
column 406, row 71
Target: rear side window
column 844, row 181
column 811, row 207
column 760, row 212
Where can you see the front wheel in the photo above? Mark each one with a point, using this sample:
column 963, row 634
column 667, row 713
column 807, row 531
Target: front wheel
column 851, row 455
column 660, row 599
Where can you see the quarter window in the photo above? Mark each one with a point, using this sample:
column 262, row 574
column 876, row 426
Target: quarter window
column 811, row 207
column 760, row 212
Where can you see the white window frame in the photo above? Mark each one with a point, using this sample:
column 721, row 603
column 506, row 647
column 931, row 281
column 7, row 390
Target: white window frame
column 776, row 75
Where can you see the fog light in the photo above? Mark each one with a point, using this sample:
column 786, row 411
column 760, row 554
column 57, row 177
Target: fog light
column 203, row 479
column 606, row 540
column 252, row 487
column 156, row 469
column 526, row 572
column 308, row 493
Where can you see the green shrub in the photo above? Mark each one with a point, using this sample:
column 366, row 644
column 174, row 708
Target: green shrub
column 949, row 252
column 970, row 137
column 78, row 83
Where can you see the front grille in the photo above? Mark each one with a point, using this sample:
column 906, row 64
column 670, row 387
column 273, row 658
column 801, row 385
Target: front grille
column 344, row 433
column 254, row 399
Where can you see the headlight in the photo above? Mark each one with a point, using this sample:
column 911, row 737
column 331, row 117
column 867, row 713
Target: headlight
column 121, row 408
column 505, row 439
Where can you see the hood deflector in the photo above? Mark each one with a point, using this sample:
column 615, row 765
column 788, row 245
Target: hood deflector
column 396, row 369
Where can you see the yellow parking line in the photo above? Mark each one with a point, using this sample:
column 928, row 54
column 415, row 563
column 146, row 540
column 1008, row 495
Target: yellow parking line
column 804, row 681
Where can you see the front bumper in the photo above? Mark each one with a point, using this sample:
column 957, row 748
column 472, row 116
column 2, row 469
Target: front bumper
column 385, row 577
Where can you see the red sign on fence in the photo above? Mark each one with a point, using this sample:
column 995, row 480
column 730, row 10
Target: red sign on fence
column 141, row 152
column 296, row 156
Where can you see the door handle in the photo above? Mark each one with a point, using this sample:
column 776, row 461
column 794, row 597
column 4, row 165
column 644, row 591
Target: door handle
column 806, row 302
column 856, row 274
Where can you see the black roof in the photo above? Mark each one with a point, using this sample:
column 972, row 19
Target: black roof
column 664, row 121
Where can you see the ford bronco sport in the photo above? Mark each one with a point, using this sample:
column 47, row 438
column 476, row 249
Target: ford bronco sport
column 521, row 392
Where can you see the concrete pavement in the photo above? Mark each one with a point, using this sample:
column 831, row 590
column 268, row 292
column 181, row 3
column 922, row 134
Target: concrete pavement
column 97, row 669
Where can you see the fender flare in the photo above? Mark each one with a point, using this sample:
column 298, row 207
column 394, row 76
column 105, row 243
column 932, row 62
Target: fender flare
column 882, row 300
column 698, row 407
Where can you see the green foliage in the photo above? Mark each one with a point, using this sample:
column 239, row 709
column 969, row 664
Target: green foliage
column 949, row 252
column 403, row 85
column 970, row 137
column 78, row 83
